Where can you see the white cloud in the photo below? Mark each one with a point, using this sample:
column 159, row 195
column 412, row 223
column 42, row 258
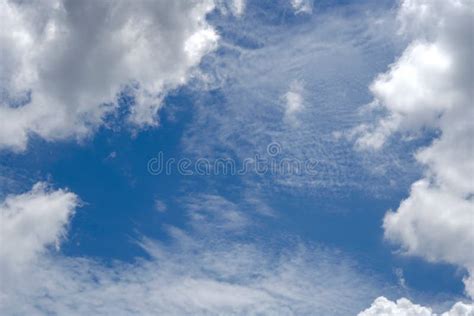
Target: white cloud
column 431, row 86
column 403, row 307
column 302, row 6
column 294, row 101
column 316, row 84
column 30, row 223
column 435, row 224
column 194, row 274
column 238, row 7
column 214, row 212
column 75, row 57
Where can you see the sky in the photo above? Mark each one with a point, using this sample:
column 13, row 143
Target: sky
column 212, row 157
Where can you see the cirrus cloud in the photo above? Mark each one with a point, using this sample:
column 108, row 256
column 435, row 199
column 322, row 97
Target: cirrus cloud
column 201, row 272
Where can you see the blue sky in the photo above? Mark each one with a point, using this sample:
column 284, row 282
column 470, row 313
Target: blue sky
column 298, row 74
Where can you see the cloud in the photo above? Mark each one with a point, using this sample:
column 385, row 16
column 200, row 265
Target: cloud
column 30, row 223
column 160, row 206
column 238, row 7
column 213, row 212
column 294, row 101
column 65, row 62
column 433, row 223
column 403, row 307
column 308, row 98
column 302, row 6
column 431, row 86
column 234, row 7
column 193, row 274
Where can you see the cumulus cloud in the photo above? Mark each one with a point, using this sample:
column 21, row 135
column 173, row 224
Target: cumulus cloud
column 193, row 274
column 431, row 86
column 65, row 62
column 403, row 307
column 435, row 224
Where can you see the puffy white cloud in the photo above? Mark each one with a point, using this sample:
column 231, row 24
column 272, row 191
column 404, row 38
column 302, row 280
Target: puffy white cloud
column 30, row 223
column 194, row 274
column 431, row 86
column 403, row 307
column 64, row 62
column 435, row 224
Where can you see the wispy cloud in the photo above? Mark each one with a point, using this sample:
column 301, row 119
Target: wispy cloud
column 289, row 83
column 198, row 273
